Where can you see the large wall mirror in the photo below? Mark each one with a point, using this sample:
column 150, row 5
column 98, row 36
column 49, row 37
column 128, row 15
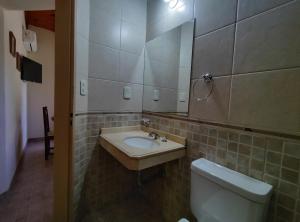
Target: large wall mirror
column 167, row 72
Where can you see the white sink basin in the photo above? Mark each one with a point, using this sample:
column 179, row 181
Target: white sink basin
column 141, row 142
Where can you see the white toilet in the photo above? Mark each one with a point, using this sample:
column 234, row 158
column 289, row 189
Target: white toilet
column 219, row 194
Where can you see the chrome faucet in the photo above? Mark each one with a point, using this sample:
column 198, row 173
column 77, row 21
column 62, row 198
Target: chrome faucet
column 154, row 135
column 145, row 122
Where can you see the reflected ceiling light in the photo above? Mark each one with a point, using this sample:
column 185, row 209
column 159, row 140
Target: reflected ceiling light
column 173, row 4
column 176, row 4
column 180, row 6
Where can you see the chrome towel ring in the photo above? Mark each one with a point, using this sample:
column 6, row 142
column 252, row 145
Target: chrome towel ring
column 208, row 79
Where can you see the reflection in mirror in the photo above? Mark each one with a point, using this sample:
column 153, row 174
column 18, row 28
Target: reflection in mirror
column 167, row 71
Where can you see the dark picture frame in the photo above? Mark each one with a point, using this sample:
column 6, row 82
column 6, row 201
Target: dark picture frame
column 12, row 44
column 18, row 61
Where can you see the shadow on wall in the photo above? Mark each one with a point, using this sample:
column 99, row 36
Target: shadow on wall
column 19, row 145
column 106, row 181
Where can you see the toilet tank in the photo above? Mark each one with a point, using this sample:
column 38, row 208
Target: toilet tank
column 219, row 194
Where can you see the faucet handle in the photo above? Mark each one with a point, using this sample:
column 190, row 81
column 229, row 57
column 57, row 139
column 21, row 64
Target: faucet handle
column 145, row 122
column 154, row 135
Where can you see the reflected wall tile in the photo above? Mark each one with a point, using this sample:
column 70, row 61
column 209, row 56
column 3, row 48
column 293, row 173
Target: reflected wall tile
column 214, row 14
column 163, row 19
column 269, row 41
column 131, row 67
column 103, row 62
column 213, row 53
column 167, row 99
column 248, row 8
column 133, row 37
column 216, row 107
column 267, row 100
column 156, row 10
column 134, row 11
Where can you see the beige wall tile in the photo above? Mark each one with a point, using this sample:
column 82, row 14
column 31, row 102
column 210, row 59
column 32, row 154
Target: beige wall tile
column 267, row 100
column 213, row 53
column 214, row 14
column 248, row 8
column 268, row 41
column 216, row 107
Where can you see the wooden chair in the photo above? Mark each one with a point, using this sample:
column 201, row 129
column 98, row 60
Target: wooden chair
column 48, row 135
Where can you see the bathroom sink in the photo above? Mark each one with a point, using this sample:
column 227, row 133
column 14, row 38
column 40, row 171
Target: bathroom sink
column 132, row 146
column 141, row 142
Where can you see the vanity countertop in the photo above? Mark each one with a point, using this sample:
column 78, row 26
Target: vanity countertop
column 112, row 139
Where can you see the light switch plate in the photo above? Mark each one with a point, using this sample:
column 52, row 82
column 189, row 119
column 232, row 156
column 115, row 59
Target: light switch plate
column 156, row 95
column 83, row 87
column 182, row 97
column 127, row 92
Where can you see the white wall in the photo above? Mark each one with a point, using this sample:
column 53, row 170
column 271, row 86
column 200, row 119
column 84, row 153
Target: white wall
column 40, row 95
column 13, row 100
column 2, row 113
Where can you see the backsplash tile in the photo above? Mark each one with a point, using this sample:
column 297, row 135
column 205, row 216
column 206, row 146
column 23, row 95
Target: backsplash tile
column 272, row 159
column 98, row 178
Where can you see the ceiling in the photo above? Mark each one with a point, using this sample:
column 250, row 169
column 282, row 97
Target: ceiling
column 28, row 4
column 43, row 19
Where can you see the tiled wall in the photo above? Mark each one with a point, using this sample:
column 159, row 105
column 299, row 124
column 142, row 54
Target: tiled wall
column 275, row 160
column 116, row 58
column 252, row 49
column 98, row 178
column 81, row 48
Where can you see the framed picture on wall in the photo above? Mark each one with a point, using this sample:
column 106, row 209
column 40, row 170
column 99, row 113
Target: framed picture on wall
column 18, row 61
column 12, row 44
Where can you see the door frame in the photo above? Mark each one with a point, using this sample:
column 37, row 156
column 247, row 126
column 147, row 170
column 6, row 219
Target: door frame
column 63, row 110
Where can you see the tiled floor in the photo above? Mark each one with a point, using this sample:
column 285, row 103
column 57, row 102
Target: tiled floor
column 31, row 196
column 135, row 209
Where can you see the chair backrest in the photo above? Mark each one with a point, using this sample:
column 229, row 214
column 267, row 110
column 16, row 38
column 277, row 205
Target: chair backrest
column 46, row 120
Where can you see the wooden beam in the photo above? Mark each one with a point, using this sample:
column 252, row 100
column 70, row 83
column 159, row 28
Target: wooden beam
column 42, row 19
